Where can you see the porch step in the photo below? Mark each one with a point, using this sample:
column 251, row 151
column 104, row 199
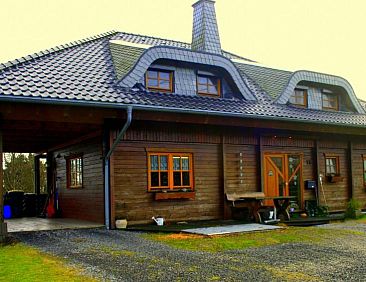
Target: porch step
column 310, row 221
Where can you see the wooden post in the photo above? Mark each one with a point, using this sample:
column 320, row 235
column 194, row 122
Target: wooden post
column 227, row 211
column 260, row 164
column 350, row 174
column 317, row 171
column 3, row 226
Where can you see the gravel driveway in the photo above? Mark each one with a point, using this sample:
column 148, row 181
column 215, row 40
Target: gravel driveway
column 126, row 256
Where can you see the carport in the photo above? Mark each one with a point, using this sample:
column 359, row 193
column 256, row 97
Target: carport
column 48, row 129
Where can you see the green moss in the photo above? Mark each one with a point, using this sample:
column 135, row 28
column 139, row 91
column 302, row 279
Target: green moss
column 21, row 263
column 247, row 240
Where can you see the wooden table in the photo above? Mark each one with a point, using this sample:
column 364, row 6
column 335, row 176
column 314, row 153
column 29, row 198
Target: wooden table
column 281, row 204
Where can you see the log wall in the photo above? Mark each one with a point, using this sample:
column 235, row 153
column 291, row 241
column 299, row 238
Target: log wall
column 85, row 203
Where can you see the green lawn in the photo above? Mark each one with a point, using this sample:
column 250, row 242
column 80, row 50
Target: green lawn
column 246, row 240
column 22, row 263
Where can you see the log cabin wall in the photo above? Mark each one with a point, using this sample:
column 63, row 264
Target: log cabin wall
column 336, row 194
column 131, row 199
column 130, row 180
column 86, row 203
column 359, row 189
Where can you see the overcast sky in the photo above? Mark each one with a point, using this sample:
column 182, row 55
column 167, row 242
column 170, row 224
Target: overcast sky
column 320, row 35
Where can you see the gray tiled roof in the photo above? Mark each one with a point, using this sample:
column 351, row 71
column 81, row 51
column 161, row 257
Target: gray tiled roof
column 124, row 58
column 272, row 81
column 84, row 74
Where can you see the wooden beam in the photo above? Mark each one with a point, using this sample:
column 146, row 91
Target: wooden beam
column 260, row 163
column 317, row 171
column 3, row 226
column 350, row 171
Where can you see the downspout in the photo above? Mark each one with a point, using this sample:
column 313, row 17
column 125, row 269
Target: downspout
column 107, row 196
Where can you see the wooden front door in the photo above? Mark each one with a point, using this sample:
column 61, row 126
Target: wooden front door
column 283, row 176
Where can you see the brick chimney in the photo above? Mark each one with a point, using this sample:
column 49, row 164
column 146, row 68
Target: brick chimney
column 205, row 34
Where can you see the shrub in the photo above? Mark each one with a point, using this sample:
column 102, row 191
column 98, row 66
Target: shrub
column 353, row 207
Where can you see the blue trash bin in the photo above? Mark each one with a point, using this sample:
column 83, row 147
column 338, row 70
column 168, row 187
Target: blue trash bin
column 7, row 212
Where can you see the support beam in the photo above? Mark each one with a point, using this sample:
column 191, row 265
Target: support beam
column 317, row 171
column 350, row 172
column 3, row 226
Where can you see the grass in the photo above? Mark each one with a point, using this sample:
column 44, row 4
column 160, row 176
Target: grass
column 247, row 240
column 22, row 263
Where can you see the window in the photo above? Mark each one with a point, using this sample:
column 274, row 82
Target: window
column 74, row 168
column 299, row 97
column 170, row 171
column 331, row 165
column 161, row 80
column 208, row 85
column 330, row 101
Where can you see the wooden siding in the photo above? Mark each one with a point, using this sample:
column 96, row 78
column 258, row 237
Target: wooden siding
column 86, row 203
column 245, row 179
column 133, row 202
column 217, row 169
column 336, row 194
column 359, row 190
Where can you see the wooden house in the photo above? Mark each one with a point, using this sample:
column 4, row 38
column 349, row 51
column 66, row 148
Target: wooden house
column 136, row 126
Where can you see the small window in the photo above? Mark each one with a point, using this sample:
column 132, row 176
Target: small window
column 299, row 98
column 74, row 168
column 331, row 165
column 170, row 171
column 330, row 101
column 160, row 80
column 208, row 85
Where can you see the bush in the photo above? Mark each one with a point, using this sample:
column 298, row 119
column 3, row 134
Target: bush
column 352, row 210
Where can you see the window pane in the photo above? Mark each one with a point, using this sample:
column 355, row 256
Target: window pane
column 164, row 84
column 185, row 163
column 154, row 165
column 155, row 179
column 202, row 88
column 163, row 179
column 152, row 82
column 163, row 162
column 176, row 163
column 152, row 74
column 212, row 89
column 176, row 179
column 164, row 75
column 186, row 179
column 202, row 80
column 212, row 81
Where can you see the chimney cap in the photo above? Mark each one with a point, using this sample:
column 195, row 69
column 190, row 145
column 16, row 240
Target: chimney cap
column 199, row 1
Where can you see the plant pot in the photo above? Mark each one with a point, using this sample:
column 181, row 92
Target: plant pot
column 121, row 223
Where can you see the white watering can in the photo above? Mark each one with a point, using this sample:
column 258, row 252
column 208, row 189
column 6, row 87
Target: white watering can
column 159, row 220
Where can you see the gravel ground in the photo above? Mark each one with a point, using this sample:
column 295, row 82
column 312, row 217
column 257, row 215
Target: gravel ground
column 126, row 256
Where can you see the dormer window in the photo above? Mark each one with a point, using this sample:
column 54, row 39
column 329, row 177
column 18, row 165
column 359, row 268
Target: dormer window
column 330, row 101
column 159, row 80
column 208, row 85
column 299, row 98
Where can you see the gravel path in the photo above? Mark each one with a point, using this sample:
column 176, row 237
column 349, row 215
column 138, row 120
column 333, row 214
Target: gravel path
column 126, row 256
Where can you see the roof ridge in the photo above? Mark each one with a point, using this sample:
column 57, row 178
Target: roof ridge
column 154, row 37
column 55, row 49
column 181, row 42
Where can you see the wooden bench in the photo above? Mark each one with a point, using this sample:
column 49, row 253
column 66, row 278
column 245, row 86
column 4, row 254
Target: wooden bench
column 249, row 200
